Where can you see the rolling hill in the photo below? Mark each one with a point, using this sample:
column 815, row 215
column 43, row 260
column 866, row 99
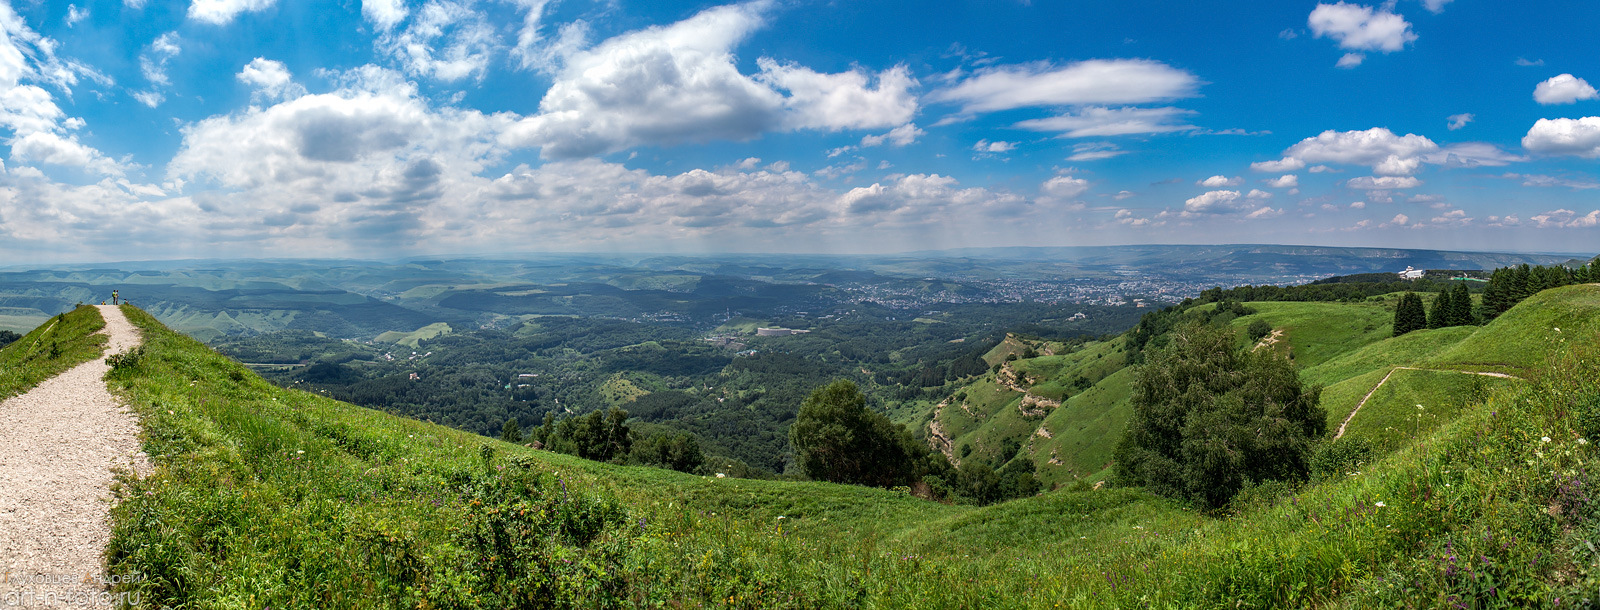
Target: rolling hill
column 266, row 496
column 1065, row 412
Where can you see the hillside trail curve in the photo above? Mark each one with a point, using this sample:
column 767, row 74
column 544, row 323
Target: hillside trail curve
column 59, row 444
column 1407, row 368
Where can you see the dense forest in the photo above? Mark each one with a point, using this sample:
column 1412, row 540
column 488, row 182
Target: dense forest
column 735, row 393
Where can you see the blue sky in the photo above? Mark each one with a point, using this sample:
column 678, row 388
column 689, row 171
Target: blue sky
column 242, row 128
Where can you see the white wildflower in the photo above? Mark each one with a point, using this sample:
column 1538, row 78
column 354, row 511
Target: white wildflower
column 1544, row 439
column 1379, row 505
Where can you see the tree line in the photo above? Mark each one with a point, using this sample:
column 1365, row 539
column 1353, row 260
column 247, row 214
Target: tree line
column 1510, row 285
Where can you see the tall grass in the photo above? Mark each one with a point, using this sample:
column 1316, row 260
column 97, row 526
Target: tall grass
column 61, row 343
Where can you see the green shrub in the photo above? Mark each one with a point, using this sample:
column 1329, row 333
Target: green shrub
column 1340, row 458
column 1258, row 330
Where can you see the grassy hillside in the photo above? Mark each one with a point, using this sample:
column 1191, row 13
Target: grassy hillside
column 411, row 339
column 1346, row 347
column 58, row 344
column 1521, row 339
column 271, row 497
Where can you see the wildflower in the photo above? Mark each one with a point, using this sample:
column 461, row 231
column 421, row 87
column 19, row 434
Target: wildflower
column 1582, row 442
column 300, row 451
column 1379, row 505
column 1544, row 439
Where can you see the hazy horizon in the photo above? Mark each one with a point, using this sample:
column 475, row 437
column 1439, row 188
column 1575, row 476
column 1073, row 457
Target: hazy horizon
column 533, row 255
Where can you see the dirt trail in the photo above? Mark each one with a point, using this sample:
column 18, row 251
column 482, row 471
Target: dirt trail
column 58, row 445
column 1407, row 368
column 1271, row 339
column 937, row 439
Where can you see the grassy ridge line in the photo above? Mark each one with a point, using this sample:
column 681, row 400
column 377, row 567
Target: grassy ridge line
column 61, row 343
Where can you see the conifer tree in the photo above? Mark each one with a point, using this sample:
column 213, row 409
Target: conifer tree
column 1519, row 286
column 1461, row 307
column 1409, row 315
column 1439, row 314
column 1496, row 295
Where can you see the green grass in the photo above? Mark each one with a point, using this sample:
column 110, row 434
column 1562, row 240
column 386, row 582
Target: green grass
column 385, row 512
column 1341, row 398
column 1409, row 349
column 411, row 339
column 58, row 344
column 1392, row 418
column 1084, row 431
column 1522, row 338
column 1319, row 332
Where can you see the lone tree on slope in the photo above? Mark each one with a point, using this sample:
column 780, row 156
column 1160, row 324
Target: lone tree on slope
column 1209, row 416
column 837, row 438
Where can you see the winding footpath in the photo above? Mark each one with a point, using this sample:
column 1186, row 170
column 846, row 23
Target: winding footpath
column 1407, row 368
column 58, row 445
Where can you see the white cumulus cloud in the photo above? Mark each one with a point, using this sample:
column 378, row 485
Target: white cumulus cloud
column 847, row 100
column 1064, row 187
column 1564, row 89
column 1361, row 28
column 1580, row 137
column 270, row 79
column 1213, row 202
column 1284, row 181
column 384, row 13
column 679, row 83
column 1385, row 152
column 1220, row 181
column 1457, row 121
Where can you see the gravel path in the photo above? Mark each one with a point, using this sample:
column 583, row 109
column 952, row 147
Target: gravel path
column 58, row 445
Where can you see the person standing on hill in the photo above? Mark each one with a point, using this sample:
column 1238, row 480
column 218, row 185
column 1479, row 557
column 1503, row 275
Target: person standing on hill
column 113, row 297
